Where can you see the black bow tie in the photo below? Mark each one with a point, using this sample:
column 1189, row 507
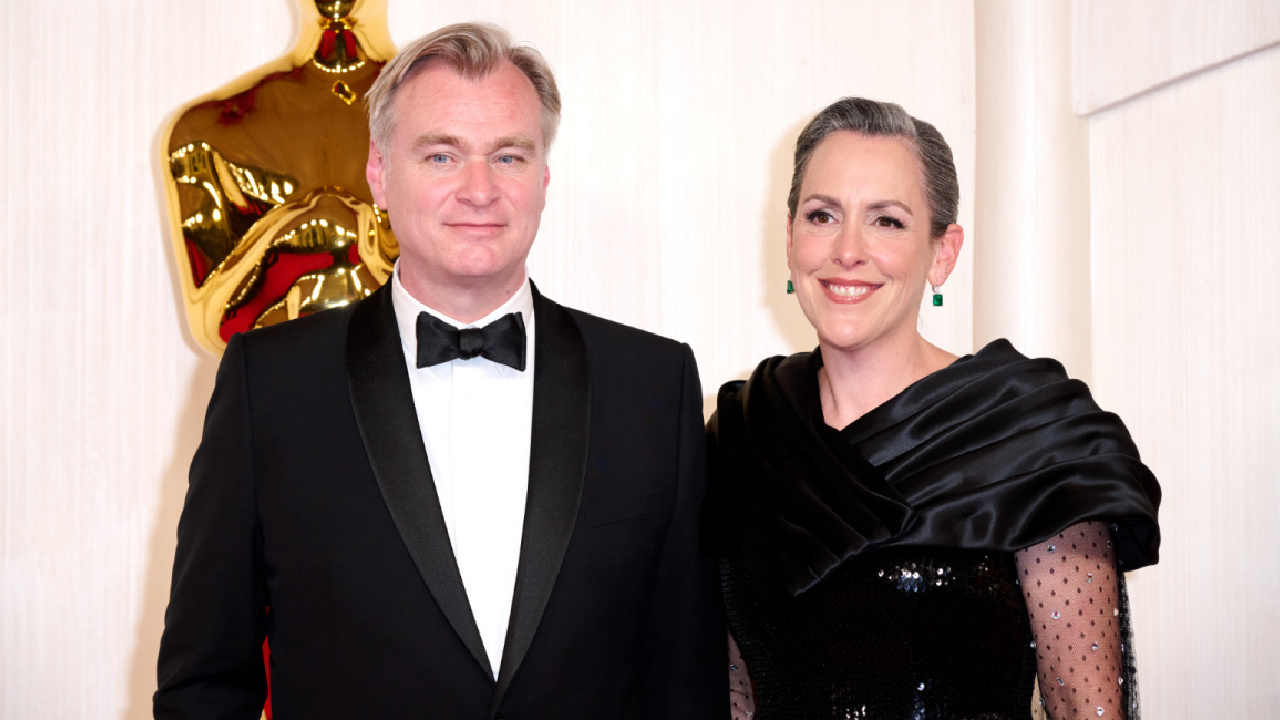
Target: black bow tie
column 501, row 341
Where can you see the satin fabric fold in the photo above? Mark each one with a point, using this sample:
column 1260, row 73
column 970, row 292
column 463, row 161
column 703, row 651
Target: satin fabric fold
column 994, row 452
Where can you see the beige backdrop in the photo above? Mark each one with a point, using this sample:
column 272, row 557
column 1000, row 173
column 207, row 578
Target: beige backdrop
column 666, row 211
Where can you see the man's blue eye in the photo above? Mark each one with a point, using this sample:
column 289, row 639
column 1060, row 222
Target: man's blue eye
column 507, row 159
column 439, row 158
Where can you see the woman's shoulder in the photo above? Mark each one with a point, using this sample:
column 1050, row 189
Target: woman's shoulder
column 792, row 377
column 780, row 385
column 1001, row 354
column 774, row 366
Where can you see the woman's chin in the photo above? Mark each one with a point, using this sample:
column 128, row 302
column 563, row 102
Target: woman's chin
column 860, row 338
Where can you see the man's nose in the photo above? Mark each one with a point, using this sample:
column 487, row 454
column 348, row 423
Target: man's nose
column 477, row 186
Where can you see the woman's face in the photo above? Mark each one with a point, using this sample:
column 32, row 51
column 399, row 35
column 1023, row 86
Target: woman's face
column 859, row 248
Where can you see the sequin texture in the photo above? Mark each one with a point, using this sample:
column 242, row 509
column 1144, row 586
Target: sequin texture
column 897, row 634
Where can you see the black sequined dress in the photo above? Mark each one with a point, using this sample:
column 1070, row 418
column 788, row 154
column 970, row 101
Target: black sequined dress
column 869, row 572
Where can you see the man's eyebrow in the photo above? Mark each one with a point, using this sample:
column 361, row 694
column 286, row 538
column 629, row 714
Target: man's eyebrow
column 513, row 141
column 428, row 139
column 510, row 141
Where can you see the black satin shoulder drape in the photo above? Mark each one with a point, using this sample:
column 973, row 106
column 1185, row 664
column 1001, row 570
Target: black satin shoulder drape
column 995, row 452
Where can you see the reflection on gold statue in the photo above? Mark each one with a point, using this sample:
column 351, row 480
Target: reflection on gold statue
column 269, row 211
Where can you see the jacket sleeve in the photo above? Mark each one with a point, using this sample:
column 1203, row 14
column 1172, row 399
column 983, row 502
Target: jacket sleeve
column 211, row 662
column 686, row 653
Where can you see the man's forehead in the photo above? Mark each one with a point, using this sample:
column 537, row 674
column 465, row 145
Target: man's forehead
column 439, row 74
column 439, row 105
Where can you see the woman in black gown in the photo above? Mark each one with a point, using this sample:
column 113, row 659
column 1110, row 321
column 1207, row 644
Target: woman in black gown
column 907, row 535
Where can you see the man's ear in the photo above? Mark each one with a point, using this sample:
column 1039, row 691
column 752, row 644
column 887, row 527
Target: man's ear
column 373, row 174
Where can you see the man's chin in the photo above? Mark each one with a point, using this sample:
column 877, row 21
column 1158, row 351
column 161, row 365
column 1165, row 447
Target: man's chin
column 485, row 275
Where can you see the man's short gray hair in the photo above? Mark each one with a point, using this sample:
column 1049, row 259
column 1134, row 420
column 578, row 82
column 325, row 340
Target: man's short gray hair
column 473, row 50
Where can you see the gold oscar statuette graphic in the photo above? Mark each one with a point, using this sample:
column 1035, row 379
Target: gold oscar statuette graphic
column 269, row 212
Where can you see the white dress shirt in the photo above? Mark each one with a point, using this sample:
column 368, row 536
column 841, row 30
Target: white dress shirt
column 475, row 417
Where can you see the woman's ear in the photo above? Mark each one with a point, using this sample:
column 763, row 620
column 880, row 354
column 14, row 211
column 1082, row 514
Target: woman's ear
column 788, row 242
column 946, row 251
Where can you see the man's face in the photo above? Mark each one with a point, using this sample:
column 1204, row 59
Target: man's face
column 463, row 180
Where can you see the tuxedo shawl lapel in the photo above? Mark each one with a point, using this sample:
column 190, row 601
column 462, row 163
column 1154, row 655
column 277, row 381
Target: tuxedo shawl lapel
column 557, row 467
column 383, row 404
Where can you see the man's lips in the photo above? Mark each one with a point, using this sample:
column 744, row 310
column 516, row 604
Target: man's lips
column 476, row 228
column 848, row 292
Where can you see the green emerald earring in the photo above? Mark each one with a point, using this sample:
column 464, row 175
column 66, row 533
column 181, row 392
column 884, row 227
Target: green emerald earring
column 791, row 289
column 937, row 296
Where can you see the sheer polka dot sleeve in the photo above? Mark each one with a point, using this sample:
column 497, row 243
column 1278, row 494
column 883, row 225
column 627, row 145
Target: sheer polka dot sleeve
column 742, row 700
column 1073, row 599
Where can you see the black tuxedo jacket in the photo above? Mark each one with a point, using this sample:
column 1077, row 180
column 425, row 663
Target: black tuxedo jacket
column 311, row 495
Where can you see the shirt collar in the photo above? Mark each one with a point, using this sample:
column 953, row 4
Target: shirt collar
column 407, row 308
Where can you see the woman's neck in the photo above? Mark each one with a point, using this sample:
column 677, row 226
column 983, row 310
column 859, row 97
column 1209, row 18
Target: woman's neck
column 852, row 383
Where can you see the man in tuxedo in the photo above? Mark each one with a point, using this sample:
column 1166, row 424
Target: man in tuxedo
column 456, row 498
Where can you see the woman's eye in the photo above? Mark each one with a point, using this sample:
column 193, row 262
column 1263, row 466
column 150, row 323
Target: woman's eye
column 820, row 217
column 885, row 221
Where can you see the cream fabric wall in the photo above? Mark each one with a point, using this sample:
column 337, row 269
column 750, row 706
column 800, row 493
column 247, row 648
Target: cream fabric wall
column 1184, row 176
column 1186, row 256
column 1125, row 48
column 1031, row 259
column 666, row 211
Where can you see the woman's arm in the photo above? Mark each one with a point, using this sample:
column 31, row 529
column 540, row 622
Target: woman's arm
column 1073, row 598
column 742, row 700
